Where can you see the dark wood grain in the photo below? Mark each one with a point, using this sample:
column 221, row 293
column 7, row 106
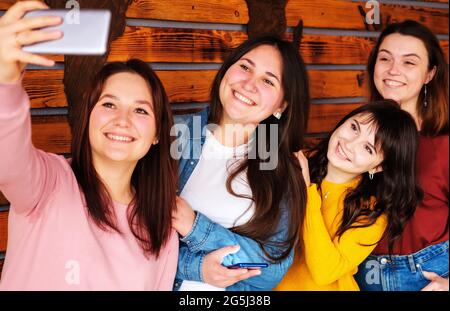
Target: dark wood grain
column 46, row 89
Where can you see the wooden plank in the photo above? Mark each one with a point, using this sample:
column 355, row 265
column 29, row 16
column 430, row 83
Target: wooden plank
column 46, row 89
column 51, row 134
column 334, row 83
column 175, row 45
column 208, row 11
column 441, row 1
column 3, row 230
column 212, row 46
column 315, row 14
column 324, row 117
column 349, row 15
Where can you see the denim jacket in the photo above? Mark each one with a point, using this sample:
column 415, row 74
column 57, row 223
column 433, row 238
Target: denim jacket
column 206, row 235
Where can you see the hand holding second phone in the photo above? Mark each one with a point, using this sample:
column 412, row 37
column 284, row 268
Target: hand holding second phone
column 17, row 31
column 217, row 275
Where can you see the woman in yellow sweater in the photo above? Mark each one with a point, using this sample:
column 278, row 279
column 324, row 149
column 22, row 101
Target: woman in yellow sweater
column 362, row 187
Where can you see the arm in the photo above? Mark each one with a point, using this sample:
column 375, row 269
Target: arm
column 207, row 236
column 24, row 170
column 438, row 283
column 327, row 259
column 208, row 268
column 189, row 264
column 26, row 174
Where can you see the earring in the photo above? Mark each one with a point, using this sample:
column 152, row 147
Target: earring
column 425, row 103
column 277, row 115
column 370, row 176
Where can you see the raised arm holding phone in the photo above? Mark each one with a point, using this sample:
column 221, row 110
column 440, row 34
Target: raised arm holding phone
column 96, row 221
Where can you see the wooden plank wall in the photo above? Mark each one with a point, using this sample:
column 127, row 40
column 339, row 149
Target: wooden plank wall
column 186, row 40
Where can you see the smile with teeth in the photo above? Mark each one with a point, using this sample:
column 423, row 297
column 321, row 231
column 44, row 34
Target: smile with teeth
column 393, row 83
column 125, row 139
column 244, row 99
column 340, row 152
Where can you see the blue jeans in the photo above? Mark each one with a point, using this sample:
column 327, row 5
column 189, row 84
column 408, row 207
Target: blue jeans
column 402, row 273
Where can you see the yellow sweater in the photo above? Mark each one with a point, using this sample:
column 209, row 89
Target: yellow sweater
column 326, row 263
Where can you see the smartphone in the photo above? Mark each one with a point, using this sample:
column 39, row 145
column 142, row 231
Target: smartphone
column 249, row 265
column 85, row 32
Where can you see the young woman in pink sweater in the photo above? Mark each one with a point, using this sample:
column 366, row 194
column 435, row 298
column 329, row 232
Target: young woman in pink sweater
column 101, row 221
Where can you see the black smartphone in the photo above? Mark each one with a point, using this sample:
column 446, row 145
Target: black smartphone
column 249, row 265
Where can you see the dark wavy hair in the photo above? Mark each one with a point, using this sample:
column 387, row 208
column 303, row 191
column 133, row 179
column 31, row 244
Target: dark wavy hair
column 395, row 188
column 154, row 177
column 435, row 115
column 270, row 187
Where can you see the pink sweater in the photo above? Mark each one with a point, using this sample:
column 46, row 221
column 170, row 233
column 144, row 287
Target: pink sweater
column 52, row 243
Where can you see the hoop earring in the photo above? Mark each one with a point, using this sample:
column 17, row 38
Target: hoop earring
column 370, row 176
column 425, row 103
column 277, row 115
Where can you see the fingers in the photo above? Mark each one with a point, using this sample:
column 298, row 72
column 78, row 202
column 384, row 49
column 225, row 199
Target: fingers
column 28, row 58
column 216, row 274
column 303, row 161
column 18, row 10
column 234, row 274
column 35, row 22
column 247, row 275
column 428, row 288
column 225, row 277
column 430, row 275
column 437, row 283
column 30, row 37
column 433, row 286
column 220, row 253
column 229, row 277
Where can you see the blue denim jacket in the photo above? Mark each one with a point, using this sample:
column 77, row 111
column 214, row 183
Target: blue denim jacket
column 206, row 236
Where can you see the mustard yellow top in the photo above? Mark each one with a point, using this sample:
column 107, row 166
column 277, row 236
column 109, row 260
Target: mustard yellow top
column 325, row 262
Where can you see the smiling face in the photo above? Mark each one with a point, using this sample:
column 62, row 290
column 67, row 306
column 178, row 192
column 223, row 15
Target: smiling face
column 122, row 126
column 352, row 150
column 251, row 89
column 401, row 69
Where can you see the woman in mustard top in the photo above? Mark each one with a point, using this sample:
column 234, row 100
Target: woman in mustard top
column 362, row 187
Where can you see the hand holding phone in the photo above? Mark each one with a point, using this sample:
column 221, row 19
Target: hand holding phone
column 249, row 265
column 17, row 31
column 85, row 32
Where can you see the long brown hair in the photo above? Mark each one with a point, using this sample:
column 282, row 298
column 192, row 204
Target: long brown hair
column 154, row 177
column 435, row 115
column 395, row 187
column 285, row 182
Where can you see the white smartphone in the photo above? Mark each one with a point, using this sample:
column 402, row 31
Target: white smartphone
column 85, row 33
